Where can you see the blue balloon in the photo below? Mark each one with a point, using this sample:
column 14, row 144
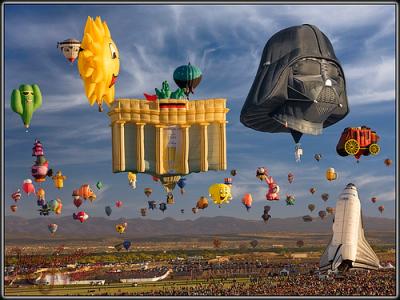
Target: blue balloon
column 163, row 206
column 181, row 183
column 108, row 210
column 127, row 244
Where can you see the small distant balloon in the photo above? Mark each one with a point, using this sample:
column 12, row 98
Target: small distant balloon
column 182, row 211
column 330, row 210
column 300, row 243
column 163, row 206
column 388, row 162
column 52, row 228
column 118, row 203
column 108, row 210
column 374, row 199
column 228, row 181
column 148, row 191
column 13, row 208
column 194, row 210
column 267, row 208
column 16, row 196
column 318, row 157
column 247, row 200
column 307, row 218
column 311, row 207
column 312, row 190
column 322, row 214
column 265, row 217
column 152, row 204
column 127, row 244
column 381, row 209
column 99, row 185
column 233, row 172
column 28, row 186
column 143, row 212
column 290, row 177
column 325, row 196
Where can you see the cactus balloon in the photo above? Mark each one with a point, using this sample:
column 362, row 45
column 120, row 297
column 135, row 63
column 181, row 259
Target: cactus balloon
column 25, row 101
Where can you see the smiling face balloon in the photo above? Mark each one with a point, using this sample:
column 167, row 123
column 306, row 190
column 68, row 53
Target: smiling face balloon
column 220, row 193
column 98, row 62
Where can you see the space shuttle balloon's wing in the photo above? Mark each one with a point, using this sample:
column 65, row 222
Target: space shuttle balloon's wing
column 324, row 263
column 366, row 257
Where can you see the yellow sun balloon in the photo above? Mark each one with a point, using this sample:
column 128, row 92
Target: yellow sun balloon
column 98, row 62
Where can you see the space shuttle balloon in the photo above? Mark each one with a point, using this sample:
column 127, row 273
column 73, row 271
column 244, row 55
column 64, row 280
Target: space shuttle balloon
column 348, row 247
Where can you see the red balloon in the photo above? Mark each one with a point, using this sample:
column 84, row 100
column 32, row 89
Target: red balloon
column 78, row 202
column 118, row 203
column 28, row 186
column 373, row 199
column 381, row 208
column 81, row 216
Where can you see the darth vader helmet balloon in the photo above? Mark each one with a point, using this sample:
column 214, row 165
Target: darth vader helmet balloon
column 299, row 86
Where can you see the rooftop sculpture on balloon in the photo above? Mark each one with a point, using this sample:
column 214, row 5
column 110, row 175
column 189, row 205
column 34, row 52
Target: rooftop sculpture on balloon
column 299, row 86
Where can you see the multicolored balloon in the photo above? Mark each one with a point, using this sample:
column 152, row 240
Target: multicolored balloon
column 152, row 204
column 81, row 216
column 52, row 228
column 322, row 214
column 148, row 191
column 16, row 196
column 312, row 190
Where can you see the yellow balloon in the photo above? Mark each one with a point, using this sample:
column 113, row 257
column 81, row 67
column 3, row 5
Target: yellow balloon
column 98, row 62
column 59, row 180
column 220, row 193
column 120, row 228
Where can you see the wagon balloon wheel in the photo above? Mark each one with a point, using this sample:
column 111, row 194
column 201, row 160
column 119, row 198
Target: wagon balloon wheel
column 374, row 149
column 352, row 146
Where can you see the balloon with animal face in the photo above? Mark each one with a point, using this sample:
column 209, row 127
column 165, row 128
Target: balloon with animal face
column 220, row 193
column 41, row 169
column 25, row 101
column 86, row 192
column 261, row 173
column 273, row 189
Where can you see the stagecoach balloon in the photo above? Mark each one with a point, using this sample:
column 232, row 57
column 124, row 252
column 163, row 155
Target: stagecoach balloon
column 16, row 196
column 299, row 87
column 108, row 210
column 187, row 77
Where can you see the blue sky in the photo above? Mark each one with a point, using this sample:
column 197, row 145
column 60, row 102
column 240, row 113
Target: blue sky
column 226, row 42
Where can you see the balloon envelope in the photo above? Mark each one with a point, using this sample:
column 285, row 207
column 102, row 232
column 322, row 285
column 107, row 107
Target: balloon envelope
column 127, row 244
column 52, row 228
column 108, row 210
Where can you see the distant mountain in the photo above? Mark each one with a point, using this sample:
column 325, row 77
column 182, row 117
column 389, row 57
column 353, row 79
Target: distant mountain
column 99, row 228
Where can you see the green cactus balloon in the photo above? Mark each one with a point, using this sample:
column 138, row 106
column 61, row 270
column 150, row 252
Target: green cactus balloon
column 165, row 92
column 25, row 101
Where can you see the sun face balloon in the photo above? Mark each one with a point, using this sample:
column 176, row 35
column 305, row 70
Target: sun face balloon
column 220, row 193
column 98, row 62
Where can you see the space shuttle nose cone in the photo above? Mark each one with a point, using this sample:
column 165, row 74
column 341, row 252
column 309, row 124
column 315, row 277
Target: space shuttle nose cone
column 351, row 185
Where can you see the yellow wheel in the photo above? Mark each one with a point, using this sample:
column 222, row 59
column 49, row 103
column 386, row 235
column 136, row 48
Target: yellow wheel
column 374, row 149
column 351, row 146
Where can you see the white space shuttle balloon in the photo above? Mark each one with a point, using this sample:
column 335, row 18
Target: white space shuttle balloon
column 348, row 247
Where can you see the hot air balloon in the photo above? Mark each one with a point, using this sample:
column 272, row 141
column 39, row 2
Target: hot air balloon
column 70, row 49
column 148, row 191
column 265, row 217
column 163, row 206
column 307, row 218
column 374, row 199
column 118, row 203
column 40, row 194
column 78, row 202
column 381, row 209
column 25, row 101
column 52, row 228
column 228, row 181
column 312, row 190
column 132, row 179
column 290, row 200
column 120, row 228
column 195, row 210
column 108, row 210
column 388, row 162
column 254, row 243
column 247, row 200
column 156, row 179
column 202, row 203
column 311, row 207
column 273, row 189
column 318, row 156
column 322, row 214
column 59, row 207
column 170, row 198
column 16, row 196
column 290, row 177
column 325, row 196
column 99, row 185
column 37, row 149
column 182, row 211
column 152, row 204
column 13, row 208
column 267, row 208
column 41, row 169
column 58, row 180
column 300, row 243
column 81, row 216
column 331, row 174
column 233, row 172
column 53, row 204
column 261, row 173
column 44, row 210
column 330, row 210
column 143, row 212
column 86, row 192
column 220, row 193
column 187, row 77
column 127, row 244
column 28, row 187
column 217, row 243
column 300, row 93
column 181, row 183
